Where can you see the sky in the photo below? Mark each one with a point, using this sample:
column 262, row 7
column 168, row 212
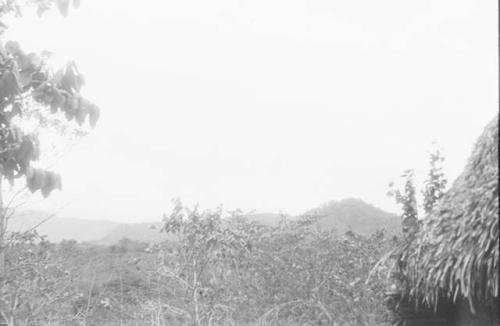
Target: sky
column 273, row 106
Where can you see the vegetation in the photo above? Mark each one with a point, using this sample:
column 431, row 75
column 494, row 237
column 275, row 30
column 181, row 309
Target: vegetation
column 436, row 181
column 221, row 270
column 408, row 201
column 218, row 268
column 454, row 256
column 33, row 98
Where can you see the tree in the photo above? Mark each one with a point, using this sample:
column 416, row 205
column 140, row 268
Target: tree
column 30, row 88
column 408, row 202
column 199, row 267
column 434, row 187
column 436, row 181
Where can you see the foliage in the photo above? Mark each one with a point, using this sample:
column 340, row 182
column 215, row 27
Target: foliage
column 457, row 252
column 308, row 276
column 208, row 252
column 15, row 7
column 221, row 269
column 35, row 285
column 31, row 91
column 436, row 181
column 232, row 271
column 434, row 186
column 454, row 257
column 408, row 201
column 26, row 83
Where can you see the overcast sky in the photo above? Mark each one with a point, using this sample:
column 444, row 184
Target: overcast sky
column 273, row 105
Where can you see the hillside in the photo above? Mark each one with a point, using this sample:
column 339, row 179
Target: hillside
column 96, row 231
column 356, row 215
column 143, row 232
column 348, row 214
column 57, row 228
column 270, row 219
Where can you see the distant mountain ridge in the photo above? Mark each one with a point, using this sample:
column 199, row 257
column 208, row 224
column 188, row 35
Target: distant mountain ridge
column 341, row 216
column 344, row 215
column 142, row 232
column 270, row 219
column 98, row 231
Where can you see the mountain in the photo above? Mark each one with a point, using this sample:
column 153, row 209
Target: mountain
column 356, row 215
column 348, row 214
column 270, row 219
column 97, row 231
column 142, row 232
column 57, row 229
column 344, row 215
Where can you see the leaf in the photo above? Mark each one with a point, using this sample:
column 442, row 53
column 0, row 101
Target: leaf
column 13, row 48
column 36, row 147
column 58, row 101
column 23, row 61
column 8, row 168
column 24, row 153
column 81, row 113
column 35, row 60
column 71, row 80
column 3, row 27
column 50, row 182
column 58, row 76
column 40, row 10
column 70, row 106
column 67, row 97
column 39, row 93
column 57, row 181
column 36, row 180
column 9, row 85
column 63, row 6
column 25, row 79
column 69, row 115
column 94, row 114
column 46, row 191
column 29, row 172
column 18, row 134
column 42, row 7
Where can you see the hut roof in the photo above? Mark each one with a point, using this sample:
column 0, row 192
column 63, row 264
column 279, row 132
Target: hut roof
column 456, row 250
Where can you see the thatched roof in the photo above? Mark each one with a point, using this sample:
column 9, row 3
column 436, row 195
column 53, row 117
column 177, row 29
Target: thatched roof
column 456, row 252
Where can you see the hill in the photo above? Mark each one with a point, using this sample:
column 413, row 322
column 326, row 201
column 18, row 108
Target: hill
column 270, row 219
column 356, row 215
column 344, row 215
column 97, row 231
column 348, row 214
column 142, row 232
column 57, row 228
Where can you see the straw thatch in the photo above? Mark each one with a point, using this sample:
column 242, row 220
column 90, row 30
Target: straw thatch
column 455, row 254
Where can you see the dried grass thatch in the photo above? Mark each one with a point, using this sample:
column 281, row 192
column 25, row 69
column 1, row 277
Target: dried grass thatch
column 456, row 252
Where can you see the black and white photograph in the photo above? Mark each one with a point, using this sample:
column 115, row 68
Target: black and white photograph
column 249, row 163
